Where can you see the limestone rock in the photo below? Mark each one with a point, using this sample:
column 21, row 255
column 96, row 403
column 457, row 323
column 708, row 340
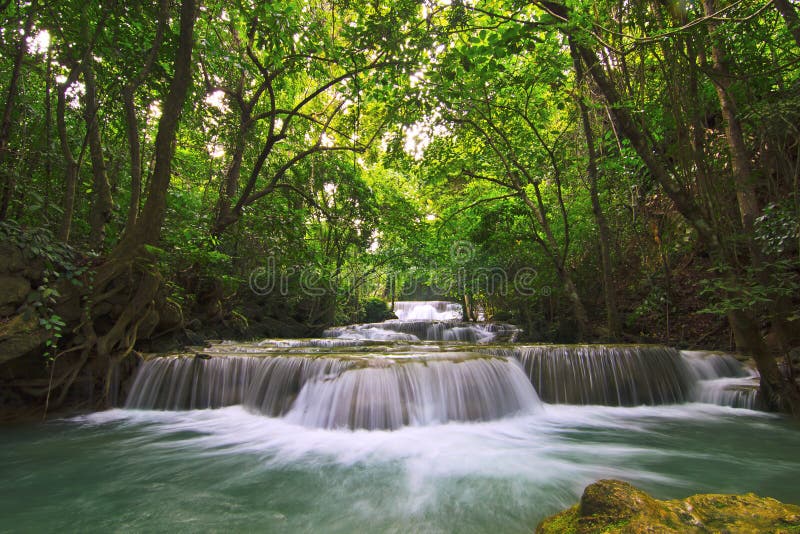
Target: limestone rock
column 612, row 506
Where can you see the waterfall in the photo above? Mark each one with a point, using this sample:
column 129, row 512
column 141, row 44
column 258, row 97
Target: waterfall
column 391, row 394
column 328, row 392
column 263, row 383
column 630, row 375
column 426, row 321
column 419, row 330
column 607, row 375
column 722, row 380
column 431, row 310
column 387, row 375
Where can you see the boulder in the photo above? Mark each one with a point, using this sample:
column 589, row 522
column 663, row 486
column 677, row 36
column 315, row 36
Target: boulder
column 20, row 335
column 11, row 259
column 13, row 290
column 612, row 506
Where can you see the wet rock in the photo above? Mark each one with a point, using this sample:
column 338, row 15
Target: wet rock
column 612, row 506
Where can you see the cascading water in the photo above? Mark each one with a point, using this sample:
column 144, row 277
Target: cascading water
column 368, row 391
column 433, row 310
column 288, row 436
column 632, row 375
column 722, row 380
column 606, row 375
column 426, row 321
column 423, row 371
column 390, row 394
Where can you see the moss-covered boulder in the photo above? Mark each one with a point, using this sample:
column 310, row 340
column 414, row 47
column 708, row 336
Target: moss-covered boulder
column 612, row 506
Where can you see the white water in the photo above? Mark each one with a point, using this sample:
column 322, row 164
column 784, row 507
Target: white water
column 426, row 321
column 362, row 435
column 349, row 391
column 433, row 310
column 381, row 376
column 230, row 470
column 722, row 380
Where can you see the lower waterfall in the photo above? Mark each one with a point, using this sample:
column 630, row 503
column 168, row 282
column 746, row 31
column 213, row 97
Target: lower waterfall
column 632, row 375
column 328, row 392
column 607, row 375
column 417, row 372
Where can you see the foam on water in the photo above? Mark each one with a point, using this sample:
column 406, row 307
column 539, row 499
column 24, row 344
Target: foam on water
column 232, row 470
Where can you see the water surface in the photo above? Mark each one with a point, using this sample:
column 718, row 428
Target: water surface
column 229, row 470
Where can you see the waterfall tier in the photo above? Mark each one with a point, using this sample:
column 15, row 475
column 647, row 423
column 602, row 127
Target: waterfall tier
column 431, row 310
column 423, row 370
column 631, row 375
column 421, row 330
column 722, row 380
column 370, row 392
column 607, row 375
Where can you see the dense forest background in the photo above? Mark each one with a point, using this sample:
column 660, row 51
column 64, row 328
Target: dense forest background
column 591, row 171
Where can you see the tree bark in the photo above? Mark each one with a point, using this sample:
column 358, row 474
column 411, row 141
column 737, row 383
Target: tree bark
column 789, row 14
column 777, row 392
column 132, row 122
column 740, row 159
column 8, row 111
column 100, row 212
column 148, row 227
column 135, row 151
column 70, row 163
column 604, row 233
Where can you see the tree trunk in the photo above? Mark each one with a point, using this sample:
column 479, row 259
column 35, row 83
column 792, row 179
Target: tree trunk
column 70, row 163
column 132, row 122
column 744, row 181
column 135, row 151
column 48, row 129
column 604, row 233
column 740, row 159
column 789, row 14
column 100, row 212
column 779, row 392
column 148, row 227
column 578, row 310
column 8, row 111
column 121, row 272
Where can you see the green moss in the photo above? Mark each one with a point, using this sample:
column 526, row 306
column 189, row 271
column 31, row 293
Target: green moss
column 565, row 522
column 611, row 506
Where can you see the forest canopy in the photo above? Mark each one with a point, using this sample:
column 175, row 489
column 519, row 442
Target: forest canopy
column 620, row 171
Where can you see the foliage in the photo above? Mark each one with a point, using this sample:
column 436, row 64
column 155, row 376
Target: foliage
column 374, row 310
column 428, row 148
column 59, row 263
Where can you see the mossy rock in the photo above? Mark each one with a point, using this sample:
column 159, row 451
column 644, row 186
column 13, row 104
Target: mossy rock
column 20, row 335
column 612, row 506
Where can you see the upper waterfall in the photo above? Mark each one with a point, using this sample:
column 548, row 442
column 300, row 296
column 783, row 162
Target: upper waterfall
column 426, row 321
column 431, row 310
